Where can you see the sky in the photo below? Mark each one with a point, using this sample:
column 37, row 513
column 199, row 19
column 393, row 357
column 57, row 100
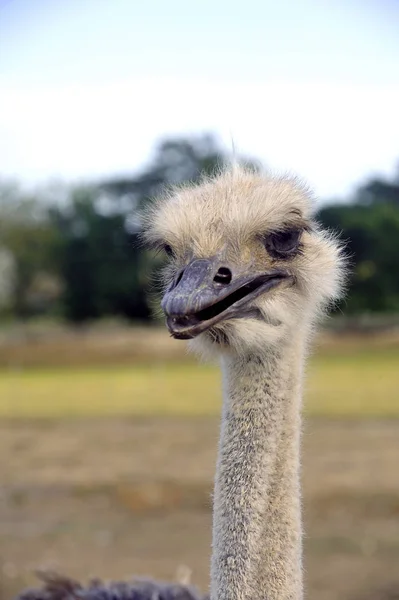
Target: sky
column 88, row 87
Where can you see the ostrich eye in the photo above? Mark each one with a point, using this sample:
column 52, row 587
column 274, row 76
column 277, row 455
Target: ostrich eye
column 283, row 244
column 168, row 250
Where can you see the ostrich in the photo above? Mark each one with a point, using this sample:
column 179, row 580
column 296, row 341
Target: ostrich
column 248, row 275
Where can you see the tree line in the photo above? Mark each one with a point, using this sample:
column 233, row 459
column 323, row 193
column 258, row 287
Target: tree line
column 74, row 252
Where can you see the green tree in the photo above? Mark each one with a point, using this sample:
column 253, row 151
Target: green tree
column 369, row 225
column 28, row 235
column 98, row 261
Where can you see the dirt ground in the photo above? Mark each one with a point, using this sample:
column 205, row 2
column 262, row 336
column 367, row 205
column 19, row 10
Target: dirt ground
column 113, row 498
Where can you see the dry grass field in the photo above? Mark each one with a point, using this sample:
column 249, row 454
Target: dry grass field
column 107, row 450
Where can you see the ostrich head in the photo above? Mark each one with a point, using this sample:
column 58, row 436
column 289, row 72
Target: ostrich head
column 247, row 263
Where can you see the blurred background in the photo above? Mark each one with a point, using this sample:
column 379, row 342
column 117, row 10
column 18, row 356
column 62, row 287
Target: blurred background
column 108, row 427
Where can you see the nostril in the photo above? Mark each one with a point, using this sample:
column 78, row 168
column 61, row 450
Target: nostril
column 179, row 278
column 223, row 276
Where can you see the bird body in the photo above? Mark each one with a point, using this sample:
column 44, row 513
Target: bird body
column 248, row 275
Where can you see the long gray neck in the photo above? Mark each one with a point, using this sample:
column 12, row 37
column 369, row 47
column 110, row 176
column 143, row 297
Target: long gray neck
column 257, row 551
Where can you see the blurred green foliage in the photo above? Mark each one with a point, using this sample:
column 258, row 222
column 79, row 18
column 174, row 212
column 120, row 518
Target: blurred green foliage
column 76, row 251
column 369, row 224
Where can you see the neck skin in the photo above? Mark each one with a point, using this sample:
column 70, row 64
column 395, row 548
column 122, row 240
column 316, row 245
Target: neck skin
column 257, row 516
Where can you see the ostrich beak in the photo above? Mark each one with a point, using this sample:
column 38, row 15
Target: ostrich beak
column 205, row 293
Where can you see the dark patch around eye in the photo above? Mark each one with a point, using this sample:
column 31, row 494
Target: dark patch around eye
column 283, row 244
column 168, row 250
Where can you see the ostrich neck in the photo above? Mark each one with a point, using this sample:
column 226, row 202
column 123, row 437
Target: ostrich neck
column 257, row 521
